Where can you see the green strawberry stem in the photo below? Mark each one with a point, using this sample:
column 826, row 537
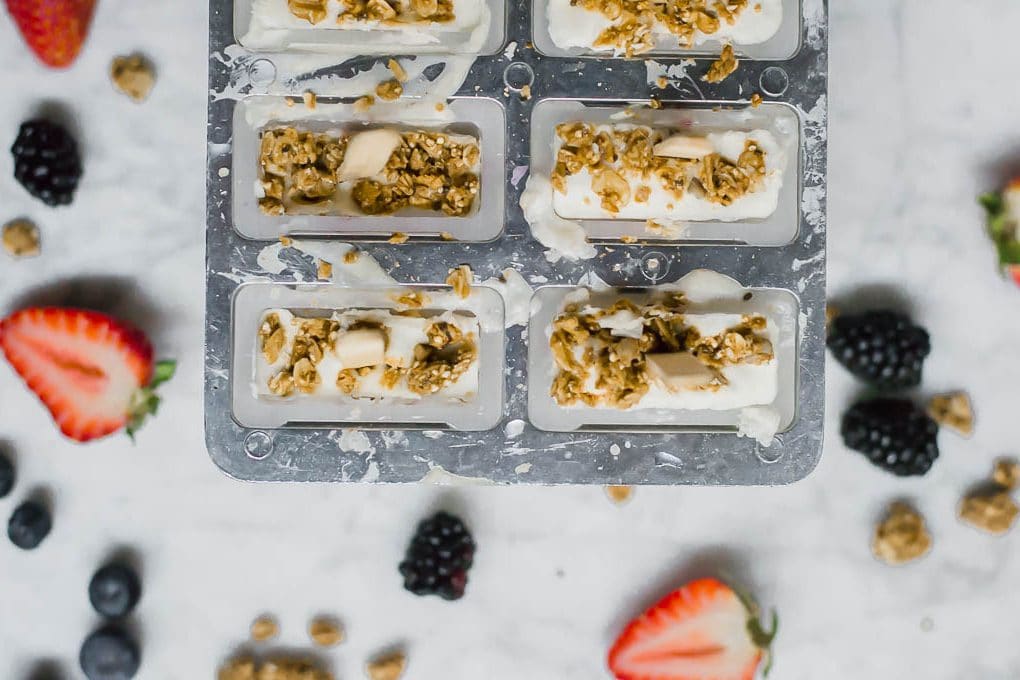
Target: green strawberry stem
column 145, row 401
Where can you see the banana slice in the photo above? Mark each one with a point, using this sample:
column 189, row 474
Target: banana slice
column 680, row 371
column 684, row 146
column 367, row 153
column 362, row 347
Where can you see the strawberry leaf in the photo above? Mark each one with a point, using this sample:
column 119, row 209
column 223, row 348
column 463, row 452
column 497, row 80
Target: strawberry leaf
column 163, row 371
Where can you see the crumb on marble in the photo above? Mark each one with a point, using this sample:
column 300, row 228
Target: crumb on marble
column 325, row 631
column 387, row 667
column 619, row 493
column 264, row 628
column 954, row 411
column 901, row 537
column 21, row 239
column 133, row 75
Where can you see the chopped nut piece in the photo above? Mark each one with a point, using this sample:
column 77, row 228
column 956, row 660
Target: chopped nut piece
column 460, row 280
column 399, row 237
column 282, row 668
column 397, row 70
column 313, row 11
column 1007, row 474
column 619, row 494
column 351, row 256
column 526, row 92
column 991, row 512
column 264, row 628
column 723, row 67
column 755, row 100
column 389, row 667
column 661, row 82
column 389, row 90
column 415, row 299
column 310, row 100
column 446, row 236
column 902, row 536
column 325, row 270
column 21, row 238
column 953, row 411
column 133, row 75
column 325, row 632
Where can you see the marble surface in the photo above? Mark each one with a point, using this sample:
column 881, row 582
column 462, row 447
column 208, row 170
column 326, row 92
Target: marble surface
column 923, row 109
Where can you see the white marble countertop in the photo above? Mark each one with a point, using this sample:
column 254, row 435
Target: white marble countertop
column 923, row 117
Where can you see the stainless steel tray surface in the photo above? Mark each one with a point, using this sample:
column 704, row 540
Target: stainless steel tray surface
column 515, row 452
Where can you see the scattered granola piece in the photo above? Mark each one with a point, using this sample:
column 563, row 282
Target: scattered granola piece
column 755, row 100
column 654, row 103
column 619, row 494
column 388, row 667
column 415, row 299
column 311, row 101
column 661, row 82
column 397, row 70
column 460, row 280
column 389, row 90
column 627, row 238
column 133, row 75
column 723, row 67
column 289, row 102
column 264, row 628
column 399, row 237
column 1006, row 473
column 525, row 92
column 325, row 631
column 902, row 536
column 280, row 668
column 21, row 238
column 993, row 512
column 325, row 270
column 440, row 107
column 953, row 411
column 446, row 236
column 286, row 241
column 312, row 11
column 364, row 104
column 351, row 256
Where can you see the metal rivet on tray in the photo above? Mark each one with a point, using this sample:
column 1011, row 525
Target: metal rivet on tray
column 774, row 81
column 518, row 75
column 655, row 266
column 258, row 445
column 262, row 73
column 771, row 454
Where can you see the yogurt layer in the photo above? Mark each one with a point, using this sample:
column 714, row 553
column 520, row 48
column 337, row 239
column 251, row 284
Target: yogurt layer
column 415, row 357
column 572, row 25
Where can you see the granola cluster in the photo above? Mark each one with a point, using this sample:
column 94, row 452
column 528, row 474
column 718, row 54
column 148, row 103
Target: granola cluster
column 902, row 536
column 282, row 668
column 428, row 170
column 438, row 363
column 398, row 11
column 611, row 156
column 597, row 368
column 634, row 21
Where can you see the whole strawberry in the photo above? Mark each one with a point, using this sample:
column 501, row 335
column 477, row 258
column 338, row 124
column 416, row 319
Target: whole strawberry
column 95, row 374
column 54, row 29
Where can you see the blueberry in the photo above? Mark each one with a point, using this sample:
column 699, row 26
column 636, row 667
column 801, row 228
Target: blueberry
column 109, row 654
column 6, row 475
column 29, row 525
column 114, row 590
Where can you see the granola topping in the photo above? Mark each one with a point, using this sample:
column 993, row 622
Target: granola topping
column 443, row 361
column 613, row 159
column 389, row 90
column 395, row 12
column 902, row 536
column 460, row 280
column 634, row 20
column 598, row 368
column 994, row 512
column 313, row 11
column 723, row 67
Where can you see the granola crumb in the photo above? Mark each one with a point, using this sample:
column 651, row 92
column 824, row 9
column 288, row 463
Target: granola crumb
column 993, row 512
column 397, row 70
column 21, row 238
column 388, row 667
column 313, row 11
column 286, row 241
column 289, row 102
column 264, row 628
column 619, row 494
column 654, row 103
column 351, row 256
column 460, row 280
column 310, row 100
column 902, row 536
column 525, row 92
column 755, row 100
column 627, row 238
column 440, row 106
column 364, row 104
column 414, row 299
column 1007, row 473
column 278, row 668
column 325, row 270
column 398, row 237
column 325, row 631
column 954, row 411
column 661, row 82
column 133, row 75
column 389, row 90
column 723, row 67
column 446, row 236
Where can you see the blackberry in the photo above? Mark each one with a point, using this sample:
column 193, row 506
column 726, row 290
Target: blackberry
column 881, row 347
column 29, row 525
column 438, row 558
column 6, row 475
column 894, row 434
column 114, row 590
column 109, row 654
column 46, row 161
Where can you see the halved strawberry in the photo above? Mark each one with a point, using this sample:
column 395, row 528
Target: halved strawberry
column 54, row 29
column 703, row 631
column 94, row 373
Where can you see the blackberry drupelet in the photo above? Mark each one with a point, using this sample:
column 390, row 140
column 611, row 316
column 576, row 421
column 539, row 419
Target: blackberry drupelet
column 894, row 434
column 438, row 558
column 46, row 161
column 881, row 347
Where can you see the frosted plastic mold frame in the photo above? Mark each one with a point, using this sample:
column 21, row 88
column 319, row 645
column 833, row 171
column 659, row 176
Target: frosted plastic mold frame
column 515, row 451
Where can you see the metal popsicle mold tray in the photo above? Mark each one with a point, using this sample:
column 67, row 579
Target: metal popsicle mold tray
column 782, row 257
